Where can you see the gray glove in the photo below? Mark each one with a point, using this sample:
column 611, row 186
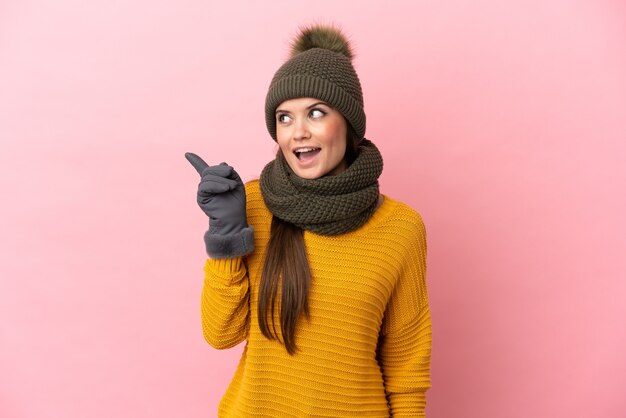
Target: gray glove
column 222, row 196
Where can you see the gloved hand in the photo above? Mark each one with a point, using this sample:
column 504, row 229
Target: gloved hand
column 221, row 195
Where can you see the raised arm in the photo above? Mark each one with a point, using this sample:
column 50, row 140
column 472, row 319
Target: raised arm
column 224, row 303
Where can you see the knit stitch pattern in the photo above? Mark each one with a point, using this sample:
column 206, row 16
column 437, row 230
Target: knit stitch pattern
column 324, row 75
column 328, row 205
column 365, row 351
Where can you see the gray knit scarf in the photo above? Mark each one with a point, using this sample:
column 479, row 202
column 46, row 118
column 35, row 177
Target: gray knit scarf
column 328, row 205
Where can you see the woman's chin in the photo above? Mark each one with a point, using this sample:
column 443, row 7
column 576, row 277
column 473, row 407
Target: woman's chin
column 308, row 174
column 308, row 170
column 313, row 168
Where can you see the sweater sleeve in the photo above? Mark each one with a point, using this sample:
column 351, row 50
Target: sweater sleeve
column 224, row 302
column 405, row 339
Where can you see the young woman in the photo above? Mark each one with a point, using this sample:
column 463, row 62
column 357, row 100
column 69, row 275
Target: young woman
column 320, row 274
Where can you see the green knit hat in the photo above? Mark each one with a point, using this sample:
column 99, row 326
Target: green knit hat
column 320, row 66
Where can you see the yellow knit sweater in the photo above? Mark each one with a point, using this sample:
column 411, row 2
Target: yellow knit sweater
column 365, row 350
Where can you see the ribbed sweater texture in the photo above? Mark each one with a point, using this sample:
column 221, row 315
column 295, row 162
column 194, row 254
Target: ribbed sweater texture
column 364, row 351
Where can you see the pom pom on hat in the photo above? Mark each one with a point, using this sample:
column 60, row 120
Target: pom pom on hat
column 320, row 66
column 325, row 37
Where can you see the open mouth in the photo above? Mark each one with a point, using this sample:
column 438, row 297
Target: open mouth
column 304, row 154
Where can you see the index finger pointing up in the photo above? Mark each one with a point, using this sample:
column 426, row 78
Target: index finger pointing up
column 197, row 162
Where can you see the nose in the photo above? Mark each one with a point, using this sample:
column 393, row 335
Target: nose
column 301, row 129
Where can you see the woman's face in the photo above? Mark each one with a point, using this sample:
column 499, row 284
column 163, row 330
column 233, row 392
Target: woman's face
column 312, row 137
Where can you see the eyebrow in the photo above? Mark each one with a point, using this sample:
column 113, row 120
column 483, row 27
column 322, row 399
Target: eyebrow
column 308, row 107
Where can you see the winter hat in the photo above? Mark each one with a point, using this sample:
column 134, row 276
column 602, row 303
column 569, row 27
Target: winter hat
column 320, row 66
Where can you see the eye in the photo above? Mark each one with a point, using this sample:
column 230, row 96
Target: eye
column 316, row 113
column 283, row 118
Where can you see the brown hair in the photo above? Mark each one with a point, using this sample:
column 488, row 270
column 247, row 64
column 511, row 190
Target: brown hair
column 286, row 264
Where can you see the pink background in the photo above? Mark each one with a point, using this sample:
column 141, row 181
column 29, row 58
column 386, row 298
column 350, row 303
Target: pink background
column 502, row 123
